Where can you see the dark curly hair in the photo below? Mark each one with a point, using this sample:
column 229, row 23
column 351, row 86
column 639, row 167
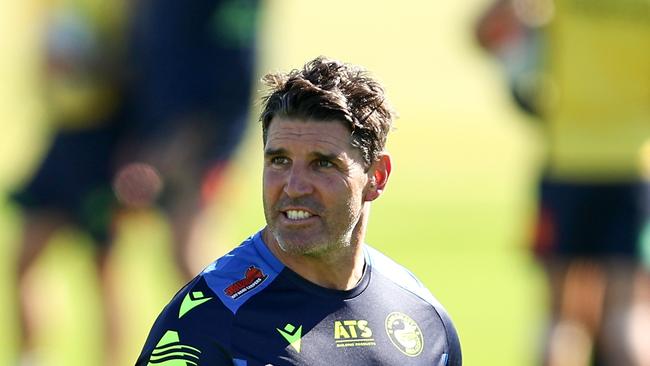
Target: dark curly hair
column 329, row 90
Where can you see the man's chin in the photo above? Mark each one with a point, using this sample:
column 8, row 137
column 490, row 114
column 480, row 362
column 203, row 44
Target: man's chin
column 297, row 246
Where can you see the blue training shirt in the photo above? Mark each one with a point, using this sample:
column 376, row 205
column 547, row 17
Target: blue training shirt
column 248, row 309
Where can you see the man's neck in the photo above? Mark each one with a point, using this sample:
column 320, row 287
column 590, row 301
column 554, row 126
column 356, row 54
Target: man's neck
column 340, row 269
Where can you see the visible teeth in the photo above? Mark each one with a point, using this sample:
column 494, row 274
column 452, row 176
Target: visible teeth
column 298, row 214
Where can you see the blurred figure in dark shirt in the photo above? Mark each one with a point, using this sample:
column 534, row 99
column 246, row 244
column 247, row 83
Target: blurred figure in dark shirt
column 582, row 69
column 192, row 66
column 83, row 93
column 148, row 101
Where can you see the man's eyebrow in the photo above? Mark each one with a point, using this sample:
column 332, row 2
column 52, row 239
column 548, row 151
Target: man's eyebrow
column 316, row 154
column 275, row 152
column 325, row 156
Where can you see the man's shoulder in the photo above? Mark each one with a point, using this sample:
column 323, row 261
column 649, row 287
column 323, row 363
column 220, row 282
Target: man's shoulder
column 401, row 276
column 397, row 274
column 244, row 271
column 230, row 280
column 407, row 281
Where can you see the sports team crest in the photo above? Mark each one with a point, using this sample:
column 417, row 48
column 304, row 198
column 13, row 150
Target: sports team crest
column 253, row 277
column 405, row 333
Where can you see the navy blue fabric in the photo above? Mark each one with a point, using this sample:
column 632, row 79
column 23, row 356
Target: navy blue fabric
column 389, row 318
column 193, row 63
column 75, row 179
column 591, row 220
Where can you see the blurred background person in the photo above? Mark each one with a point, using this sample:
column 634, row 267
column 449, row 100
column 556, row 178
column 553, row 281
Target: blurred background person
column 191, row 73
column 148, row 101
column 582, row 68
column 83, row 92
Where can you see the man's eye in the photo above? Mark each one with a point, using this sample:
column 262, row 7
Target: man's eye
column 279, row 160
column 322, row 163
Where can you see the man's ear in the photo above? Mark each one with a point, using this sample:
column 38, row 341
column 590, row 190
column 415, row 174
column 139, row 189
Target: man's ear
column 379, row 172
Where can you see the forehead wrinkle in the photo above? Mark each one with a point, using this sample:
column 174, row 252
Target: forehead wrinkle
column 330, row 143
column 313, row 137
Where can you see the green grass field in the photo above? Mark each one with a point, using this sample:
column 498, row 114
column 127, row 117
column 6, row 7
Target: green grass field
column 456, row 211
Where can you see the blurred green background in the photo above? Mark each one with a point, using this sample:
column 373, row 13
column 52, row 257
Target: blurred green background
column 457, row 210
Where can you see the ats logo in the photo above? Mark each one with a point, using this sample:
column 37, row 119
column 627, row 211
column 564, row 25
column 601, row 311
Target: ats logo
column 252, row 278
column 353, row 333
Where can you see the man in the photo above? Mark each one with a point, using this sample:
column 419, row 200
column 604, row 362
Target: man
column 574, row 65
column 306, row 290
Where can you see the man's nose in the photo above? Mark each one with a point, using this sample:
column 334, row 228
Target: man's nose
column 298, row 182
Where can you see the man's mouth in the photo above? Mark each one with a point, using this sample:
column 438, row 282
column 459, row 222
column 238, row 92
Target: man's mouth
column 297, row 214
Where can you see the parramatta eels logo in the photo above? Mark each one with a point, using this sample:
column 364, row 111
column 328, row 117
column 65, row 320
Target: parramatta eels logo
column 252, row 278
column 405, row 333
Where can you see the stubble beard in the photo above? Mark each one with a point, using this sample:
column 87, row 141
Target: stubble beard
column 314, row 245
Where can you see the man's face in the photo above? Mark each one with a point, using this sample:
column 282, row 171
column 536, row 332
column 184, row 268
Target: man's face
column 314, row 185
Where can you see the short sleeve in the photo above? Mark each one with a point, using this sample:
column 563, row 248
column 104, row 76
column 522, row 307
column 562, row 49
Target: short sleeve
column 193, row 329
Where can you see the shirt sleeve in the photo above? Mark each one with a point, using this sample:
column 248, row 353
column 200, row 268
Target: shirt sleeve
column 191, row 330
column 455, row 357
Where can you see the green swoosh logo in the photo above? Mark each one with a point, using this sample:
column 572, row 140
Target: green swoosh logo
column 192, row 300
column 292, row 335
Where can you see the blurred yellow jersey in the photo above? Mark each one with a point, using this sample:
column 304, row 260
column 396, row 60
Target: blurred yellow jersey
column 83, row 43
column 597, row 105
